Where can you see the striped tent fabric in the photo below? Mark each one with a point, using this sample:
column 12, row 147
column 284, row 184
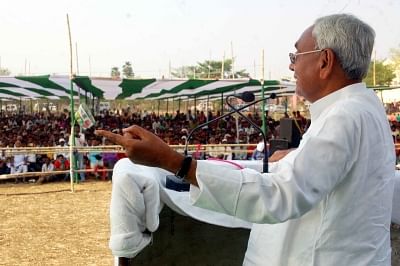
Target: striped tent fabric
column 59, row 87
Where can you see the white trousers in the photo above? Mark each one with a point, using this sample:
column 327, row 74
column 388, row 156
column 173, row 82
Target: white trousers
column 138, row 195
column 22, row 168
column 129, row 210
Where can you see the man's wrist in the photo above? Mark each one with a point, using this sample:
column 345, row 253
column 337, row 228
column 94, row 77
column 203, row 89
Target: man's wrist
column 191, row 175
column 174, row 163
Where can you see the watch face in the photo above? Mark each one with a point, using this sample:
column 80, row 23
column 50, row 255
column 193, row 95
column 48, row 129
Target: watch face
column 176, row 183
column 177, row 179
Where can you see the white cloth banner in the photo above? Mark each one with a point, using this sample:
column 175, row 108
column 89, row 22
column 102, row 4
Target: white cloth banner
column 179, row 201
column 396, row 199
column 129, row 177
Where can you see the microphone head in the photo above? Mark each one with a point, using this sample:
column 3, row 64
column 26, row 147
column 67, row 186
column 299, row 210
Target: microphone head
column 272, row 96
column 247, row 96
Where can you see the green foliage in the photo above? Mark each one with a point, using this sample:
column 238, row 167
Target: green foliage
column 395, row 57
column 185, row 72
column 127, row 70
column 115, row 73
column 209, row 69
column 384, row 74
column 4, row 72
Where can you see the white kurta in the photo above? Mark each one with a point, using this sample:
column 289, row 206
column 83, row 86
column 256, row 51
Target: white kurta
column 326, row 203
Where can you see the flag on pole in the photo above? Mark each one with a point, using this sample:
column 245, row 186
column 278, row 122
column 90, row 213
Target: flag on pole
column 84, row 117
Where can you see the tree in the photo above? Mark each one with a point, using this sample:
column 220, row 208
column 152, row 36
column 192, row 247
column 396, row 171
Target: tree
column 4, row 72
column 395, row 57
column 384, row 74
column 115, row 74
column 127, row 70
column 209, row 69
column 185, row 72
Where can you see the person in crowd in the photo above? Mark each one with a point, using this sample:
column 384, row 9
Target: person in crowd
column 80, row 141
column 32, row 159
column 47, row 166
column 61, row 164
column 2, row 152
column 4, row 169
column 213, row 151
column 49, row 153
column 301, row 118
column 326, row 203
column 96, row 161
column 227, row 150
column 62, row 143
column 258, row 152
column 240, row 152
column 285, row 115
column 109, row 159
column 19, row 163
column 395, row 133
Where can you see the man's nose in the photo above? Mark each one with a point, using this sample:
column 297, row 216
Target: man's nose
column 291, row 67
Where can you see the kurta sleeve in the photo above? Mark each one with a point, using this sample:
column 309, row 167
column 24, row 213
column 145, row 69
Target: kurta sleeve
column 298, row 182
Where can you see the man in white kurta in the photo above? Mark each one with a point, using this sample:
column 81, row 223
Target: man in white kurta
column 326, row 203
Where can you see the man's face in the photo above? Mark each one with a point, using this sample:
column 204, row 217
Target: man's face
column 305, row 68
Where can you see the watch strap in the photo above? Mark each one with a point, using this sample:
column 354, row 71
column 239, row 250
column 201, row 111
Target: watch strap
column 185, row 167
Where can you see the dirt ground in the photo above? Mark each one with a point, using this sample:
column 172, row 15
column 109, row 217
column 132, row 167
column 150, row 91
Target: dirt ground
column 49, row 225
column 395, row 236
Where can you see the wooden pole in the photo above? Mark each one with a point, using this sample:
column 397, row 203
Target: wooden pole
column 72, row 135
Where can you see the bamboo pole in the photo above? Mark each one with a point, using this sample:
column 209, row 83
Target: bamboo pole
column 72, row 135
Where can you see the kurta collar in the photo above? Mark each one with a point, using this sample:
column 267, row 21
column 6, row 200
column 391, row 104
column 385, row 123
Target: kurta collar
column 320, row 105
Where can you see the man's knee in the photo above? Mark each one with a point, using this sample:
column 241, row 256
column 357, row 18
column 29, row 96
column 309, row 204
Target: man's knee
column 122, row 180
column 124, row 172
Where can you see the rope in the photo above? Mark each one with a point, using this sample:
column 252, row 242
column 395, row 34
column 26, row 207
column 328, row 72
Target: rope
column 8, row 152
column 57, row 172
column 47, row 192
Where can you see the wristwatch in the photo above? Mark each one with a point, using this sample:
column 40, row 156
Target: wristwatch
column 185, row 167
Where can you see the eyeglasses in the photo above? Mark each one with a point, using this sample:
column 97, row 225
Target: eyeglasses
column 293, row 56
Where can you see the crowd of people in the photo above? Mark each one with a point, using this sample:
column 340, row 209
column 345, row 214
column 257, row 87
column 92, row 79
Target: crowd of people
column 53, row 129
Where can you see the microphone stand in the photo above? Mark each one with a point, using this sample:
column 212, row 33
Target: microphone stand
column 265, row 159
column 272, row 96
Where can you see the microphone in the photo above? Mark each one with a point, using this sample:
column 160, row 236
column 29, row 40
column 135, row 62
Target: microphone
column 249, row 97
column 177, row 184
column 246, row 96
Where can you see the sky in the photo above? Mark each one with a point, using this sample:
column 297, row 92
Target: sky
column 156, row 34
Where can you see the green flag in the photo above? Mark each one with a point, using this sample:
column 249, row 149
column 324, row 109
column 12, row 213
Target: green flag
column 84, row 117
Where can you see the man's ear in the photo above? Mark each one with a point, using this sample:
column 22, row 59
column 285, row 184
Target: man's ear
column 327, row 61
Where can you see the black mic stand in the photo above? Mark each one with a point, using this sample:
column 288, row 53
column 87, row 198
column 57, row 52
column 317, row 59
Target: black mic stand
column 272, row 96
column 265, row 159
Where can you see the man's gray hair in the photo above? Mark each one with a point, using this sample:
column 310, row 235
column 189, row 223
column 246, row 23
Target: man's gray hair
column 351, row 39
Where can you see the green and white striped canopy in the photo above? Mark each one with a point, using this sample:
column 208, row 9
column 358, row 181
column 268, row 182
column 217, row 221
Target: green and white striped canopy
column 58, row 87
